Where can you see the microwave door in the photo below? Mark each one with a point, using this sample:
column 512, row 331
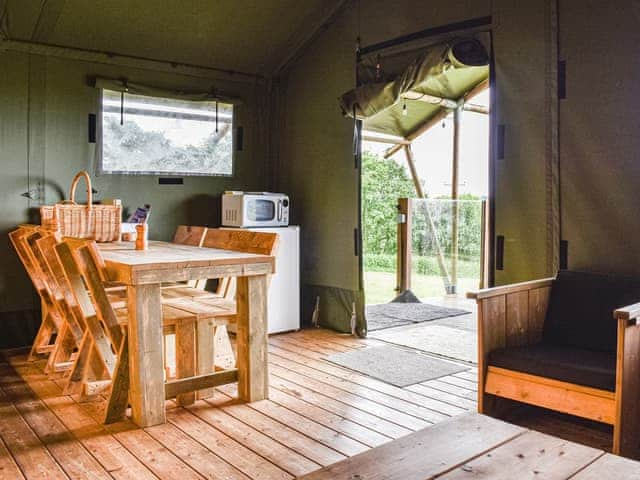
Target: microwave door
column 259, row 211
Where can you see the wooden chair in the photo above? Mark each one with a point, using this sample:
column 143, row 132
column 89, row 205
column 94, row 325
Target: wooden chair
column 192, row 236
column 70, row 332
column 553, row 343
column 60, row 331
column 248, row 241
column 41, row 245
column 224, row 306
column 52, row 321
column 102, row 361
column 96, row 344
column 188, row 235
column 82, row 264
column 181, row 296
column 95, row 360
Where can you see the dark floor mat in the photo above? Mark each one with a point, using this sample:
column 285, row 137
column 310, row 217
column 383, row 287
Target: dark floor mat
column 387, row 315
column 396, row 366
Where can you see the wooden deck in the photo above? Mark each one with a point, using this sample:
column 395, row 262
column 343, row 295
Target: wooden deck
column 318, row 414
column 474, row 446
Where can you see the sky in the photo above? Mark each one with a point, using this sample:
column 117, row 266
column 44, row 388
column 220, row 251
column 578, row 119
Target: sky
column 433, row 153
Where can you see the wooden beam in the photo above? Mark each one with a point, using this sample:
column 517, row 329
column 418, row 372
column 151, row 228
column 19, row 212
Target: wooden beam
column 475, row 91
column 586, row 402
column 512, row 288
column 472, row 107
column 200, row 382
column 438, row 117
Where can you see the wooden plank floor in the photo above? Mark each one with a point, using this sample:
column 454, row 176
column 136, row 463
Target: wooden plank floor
column 317, row 414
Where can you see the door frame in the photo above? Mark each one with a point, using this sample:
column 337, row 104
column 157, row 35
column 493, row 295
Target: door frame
column 475, row 25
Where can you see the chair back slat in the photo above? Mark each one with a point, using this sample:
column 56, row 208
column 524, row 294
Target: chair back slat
column 189, row 235
column 74, row 279
column 51, row 283
column 19, row 241
column 46, row 248
column 90, row 261
column 23, row 241
column 99, row 316
column 248, row 241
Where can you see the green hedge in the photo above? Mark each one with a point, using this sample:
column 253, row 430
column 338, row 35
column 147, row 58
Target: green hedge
column 467, row 267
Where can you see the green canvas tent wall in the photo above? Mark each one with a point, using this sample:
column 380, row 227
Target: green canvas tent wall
column 578, row 151
column 315, row 151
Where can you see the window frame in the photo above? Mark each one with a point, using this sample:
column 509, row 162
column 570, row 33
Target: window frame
column 100, row 170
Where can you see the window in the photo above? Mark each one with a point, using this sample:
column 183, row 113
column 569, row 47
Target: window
column 152, row 135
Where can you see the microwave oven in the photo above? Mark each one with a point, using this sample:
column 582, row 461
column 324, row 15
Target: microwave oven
column 255, row 209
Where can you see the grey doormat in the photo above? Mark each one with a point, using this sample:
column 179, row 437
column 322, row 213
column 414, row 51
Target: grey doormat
column 395, row 365
column 388, row 315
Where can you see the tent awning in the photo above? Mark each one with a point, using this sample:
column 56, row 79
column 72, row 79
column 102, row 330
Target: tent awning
column 404, row 101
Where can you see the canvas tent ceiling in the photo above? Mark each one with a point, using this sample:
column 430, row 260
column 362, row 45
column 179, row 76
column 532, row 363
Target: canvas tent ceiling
column 244, row 35
column 399, row 93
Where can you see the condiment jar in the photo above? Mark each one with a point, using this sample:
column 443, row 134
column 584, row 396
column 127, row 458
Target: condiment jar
column 142, row 241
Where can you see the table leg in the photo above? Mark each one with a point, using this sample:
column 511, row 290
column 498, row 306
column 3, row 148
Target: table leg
column 146, row 366
column 253, row 378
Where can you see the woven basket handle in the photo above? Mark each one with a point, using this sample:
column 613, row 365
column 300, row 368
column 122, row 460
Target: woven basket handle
column 74, row 186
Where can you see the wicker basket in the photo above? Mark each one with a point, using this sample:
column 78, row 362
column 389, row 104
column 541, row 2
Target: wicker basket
column 101, row 223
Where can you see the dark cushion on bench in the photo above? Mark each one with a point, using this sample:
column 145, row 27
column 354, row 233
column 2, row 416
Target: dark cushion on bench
column 583, row 367
column 581, row 306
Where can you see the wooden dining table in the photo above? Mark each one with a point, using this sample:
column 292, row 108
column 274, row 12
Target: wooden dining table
column 144, row 271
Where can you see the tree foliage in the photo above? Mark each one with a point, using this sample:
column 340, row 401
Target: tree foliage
column 383, row 183
column 442, row 213
column 128, row 147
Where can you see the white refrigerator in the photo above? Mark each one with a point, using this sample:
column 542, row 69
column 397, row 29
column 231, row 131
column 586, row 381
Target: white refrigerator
column 284, row 289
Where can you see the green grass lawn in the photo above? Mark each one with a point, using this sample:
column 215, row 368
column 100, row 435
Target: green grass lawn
column 379, row 286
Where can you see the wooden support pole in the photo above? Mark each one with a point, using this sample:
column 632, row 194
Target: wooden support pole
column 455, row 208
column 414, row 172
column 404, row 244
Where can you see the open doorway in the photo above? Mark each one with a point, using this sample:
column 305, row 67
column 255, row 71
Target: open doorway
column 425, row 215
column 452, row 262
